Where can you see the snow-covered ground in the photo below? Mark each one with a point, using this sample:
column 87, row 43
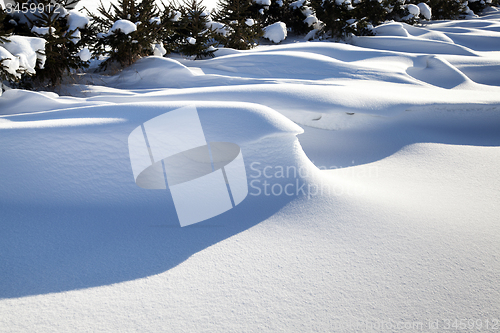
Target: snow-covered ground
column 373, row 202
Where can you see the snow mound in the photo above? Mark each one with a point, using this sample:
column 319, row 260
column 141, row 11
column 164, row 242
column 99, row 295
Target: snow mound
column 16, row 101
column 473, row 34
column 152, row 72
column 85, row 137
column 287, row 64
column 403, row 226
column 402, row 29
column 275, row 32
column 438, row 72
column 411, row 45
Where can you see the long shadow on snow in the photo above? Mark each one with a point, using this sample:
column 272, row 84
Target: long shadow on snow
column 54, row 249
column 71, row 216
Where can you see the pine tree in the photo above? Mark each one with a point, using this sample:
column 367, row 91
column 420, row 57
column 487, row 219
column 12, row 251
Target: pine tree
column 372, row 11
column 243, row 31
column 5, row 75
column 3, row 30
column 258, row 10
column 170, row 17
column 198, row 40
column 395, row 9
column 445, row 9
column 48, row 19
column 477, row 6
column 128, row 31
column 295, row 15
column 338, row 19
column 63, row 43
column 275, row 12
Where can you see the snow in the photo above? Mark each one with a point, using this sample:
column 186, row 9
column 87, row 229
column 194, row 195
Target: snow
column 218, row 27
column 275, row 32
column 159, row 50
column 307, row 11
column 413, row 9
column 155, row 20
column 10, row 62
column 124, row 26
column 191, row 40
column 176, row 16
column 373, row 190
column 43, row 30
column 297, row 4
column 425, row 10
column 23, row 53
column 84, row 54
column 311, row 20
column 77, row 20
column 250, row 22
column 263, row 2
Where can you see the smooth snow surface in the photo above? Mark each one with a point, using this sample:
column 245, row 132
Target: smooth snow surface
column 373, row 191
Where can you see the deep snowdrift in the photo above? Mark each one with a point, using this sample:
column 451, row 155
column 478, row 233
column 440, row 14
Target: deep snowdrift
column 402, row 229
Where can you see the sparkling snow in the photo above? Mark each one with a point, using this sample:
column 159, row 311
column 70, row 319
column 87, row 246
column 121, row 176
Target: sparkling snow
column 373, row 191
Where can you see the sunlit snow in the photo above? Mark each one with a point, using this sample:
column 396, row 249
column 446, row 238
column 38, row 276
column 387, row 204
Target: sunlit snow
column 373, row 178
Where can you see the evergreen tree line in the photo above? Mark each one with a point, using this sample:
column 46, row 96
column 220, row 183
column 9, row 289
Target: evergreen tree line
column 130, row 29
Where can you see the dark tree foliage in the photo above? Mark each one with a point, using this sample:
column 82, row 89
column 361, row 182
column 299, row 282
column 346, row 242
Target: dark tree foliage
column 477, row 6
column 371, row 11
column 170, row 16
column 273, row 13
column 4, row 33
column 336, row 18
column 446, row 10
column 4, row 74
column 292, row 13
column 61, row 48
column 197, row 38
column 125, row 48
column 235, row 15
